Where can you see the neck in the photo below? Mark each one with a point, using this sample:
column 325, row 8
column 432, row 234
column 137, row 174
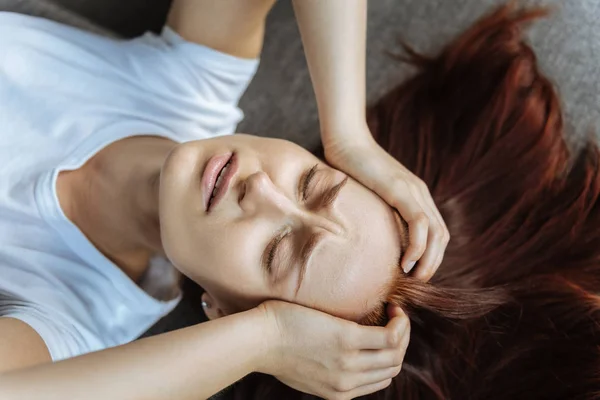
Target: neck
column 113, row 200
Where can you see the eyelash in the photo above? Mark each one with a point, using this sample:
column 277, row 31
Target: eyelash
column 305, row 184
column 274, row 243
column 308, row 178
column 271, row 255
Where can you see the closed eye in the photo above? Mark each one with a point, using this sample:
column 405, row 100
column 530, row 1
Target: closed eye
column 306, row 180
column 271, row 250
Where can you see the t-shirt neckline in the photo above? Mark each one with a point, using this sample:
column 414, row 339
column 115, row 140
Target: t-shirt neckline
column 47, row 200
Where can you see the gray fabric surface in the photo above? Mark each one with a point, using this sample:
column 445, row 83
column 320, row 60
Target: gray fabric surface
column 50, row 10
column 280, row 100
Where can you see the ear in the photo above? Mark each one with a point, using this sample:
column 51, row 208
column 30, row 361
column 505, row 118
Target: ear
column 210, row 307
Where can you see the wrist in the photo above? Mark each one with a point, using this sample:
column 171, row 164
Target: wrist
column 347, row 133
column 252, row 334
column 269, row 343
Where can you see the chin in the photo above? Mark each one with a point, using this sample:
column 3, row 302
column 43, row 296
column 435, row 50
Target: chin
column 178, row 203
column 181, row 162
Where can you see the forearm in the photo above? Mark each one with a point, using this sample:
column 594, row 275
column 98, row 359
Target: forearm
column 334, row 37
column 191, row 363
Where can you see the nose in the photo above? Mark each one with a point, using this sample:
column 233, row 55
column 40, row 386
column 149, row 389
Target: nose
column 260, row 195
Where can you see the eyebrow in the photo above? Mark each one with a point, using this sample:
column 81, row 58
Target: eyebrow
column 327, row 200
column 305, row 255
column 329, row 197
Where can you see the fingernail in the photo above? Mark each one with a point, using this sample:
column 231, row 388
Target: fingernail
column 409, row 266
column 205, row 304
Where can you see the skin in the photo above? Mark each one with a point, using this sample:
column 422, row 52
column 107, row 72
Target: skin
column 160, row 209
column 112, row 199
column 223, row 249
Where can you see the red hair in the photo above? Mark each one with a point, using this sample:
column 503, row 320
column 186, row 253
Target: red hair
column 514, row 310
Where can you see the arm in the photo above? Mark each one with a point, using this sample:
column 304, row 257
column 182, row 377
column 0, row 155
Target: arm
column 334, row 36
column 306, row 349
column 190, row 363
column 20, row 346
column 235, row 27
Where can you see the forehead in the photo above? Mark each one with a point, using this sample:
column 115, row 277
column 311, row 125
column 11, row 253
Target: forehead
column 348, row 274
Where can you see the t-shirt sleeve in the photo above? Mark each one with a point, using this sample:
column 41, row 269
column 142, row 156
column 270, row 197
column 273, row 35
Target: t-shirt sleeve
column 164, row 81
column 62, row 338
column 182, row 72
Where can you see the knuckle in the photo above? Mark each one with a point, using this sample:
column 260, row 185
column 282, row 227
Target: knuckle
column 393, row 339
column 400, row 185
column 345, row 363
column 438, row 233
column 344, row 345
column 398, row 359
column 446, row 236
column 341, row 385
column 418, row 248
column 437, row 264
column 420, row 218
column 343, row 342
column 351, row 338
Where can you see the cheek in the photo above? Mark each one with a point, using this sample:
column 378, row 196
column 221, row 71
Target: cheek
column 225, row 246
column 226, row 256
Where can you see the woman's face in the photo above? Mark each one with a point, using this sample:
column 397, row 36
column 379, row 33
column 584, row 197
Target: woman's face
column 282, row 225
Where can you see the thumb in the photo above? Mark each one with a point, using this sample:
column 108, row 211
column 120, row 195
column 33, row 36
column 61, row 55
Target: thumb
column 394, row 311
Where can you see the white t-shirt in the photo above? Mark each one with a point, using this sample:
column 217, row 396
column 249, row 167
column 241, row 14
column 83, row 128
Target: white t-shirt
column 64, row 95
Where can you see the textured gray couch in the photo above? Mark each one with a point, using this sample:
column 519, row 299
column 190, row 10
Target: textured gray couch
column 280, row 100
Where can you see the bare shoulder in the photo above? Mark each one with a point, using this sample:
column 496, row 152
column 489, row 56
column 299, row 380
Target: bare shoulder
column 234, row 27
column 20, row 345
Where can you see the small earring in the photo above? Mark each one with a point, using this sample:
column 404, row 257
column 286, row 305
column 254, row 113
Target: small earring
column 205, row 304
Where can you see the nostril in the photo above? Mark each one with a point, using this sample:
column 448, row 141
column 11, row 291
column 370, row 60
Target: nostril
column 242, row 192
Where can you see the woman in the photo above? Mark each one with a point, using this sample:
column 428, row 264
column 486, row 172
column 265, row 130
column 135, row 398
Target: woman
column 514, row 310
column 97, row 193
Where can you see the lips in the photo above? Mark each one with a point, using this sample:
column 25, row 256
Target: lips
column 216, row 178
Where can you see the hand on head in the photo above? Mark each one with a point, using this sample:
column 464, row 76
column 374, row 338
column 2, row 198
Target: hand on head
column 331, row 357
column 372, row 166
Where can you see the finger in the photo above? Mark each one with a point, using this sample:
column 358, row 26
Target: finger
column 370, row 360
column 426, row 276
column 425, row 258
column 440, row 220
column 433, row 256
column 426, row 267
column 438, row 262
column 368, row 389
column 440, row 228
column 435, row 238
column 442, row 244
column 438, row 214
column 394, row 311
column 415, row 216
column 385, row 358
column 374, row 376
column 377, row 337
